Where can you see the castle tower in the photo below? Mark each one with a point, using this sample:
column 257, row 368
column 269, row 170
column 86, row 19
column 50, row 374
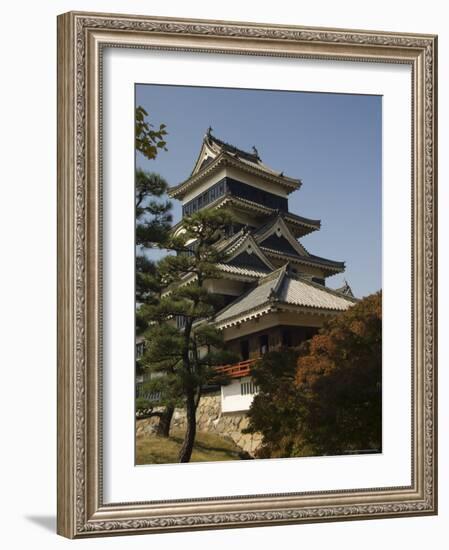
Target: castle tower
column 273, row 288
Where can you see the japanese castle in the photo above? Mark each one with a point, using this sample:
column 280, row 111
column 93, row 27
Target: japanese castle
column 273, row 287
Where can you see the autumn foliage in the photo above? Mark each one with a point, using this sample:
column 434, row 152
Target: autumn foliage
column 277, row 407
column 326, row 398
column 339, row 375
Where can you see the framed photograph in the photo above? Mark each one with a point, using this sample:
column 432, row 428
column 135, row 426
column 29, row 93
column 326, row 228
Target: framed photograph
column 246, row 274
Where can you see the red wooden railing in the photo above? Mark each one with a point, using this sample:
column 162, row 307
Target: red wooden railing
column 237, row 370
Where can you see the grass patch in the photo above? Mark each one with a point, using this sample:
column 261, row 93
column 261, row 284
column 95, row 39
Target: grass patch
column 151, row 449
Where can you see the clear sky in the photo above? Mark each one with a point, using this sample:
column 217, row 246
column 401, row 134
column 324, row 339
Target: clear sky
column 332, row 142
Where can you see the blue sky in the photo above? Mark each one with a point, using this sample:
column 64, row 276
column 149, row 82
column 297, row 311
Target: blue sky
column 332, row 142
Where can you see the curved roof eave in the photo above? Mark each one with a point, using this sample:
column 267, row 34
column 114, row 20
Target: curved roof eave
column 329, row 265
column 178, row 191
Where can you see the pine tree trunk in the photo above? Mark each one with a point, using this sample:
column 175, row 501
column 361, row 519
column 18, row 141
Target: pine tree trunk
column 189, row 439
column 163, row 428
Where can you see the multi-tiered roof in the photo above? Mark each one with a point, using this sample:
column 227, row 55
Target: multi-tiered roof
column 262, row 249
column 249, row 185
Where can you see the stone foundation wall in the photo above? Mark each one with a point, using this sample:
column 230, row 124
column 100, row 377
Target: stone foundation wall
column 210, row 419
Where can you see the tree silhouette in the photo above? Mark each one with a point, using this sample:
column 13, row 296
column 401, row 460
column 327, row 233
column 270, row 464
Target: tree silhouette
column 181, row 347
column 153, row 223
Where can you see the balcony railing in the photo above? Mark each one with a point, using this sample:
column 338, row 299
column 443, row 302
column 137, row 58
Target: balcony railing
column 236, row 370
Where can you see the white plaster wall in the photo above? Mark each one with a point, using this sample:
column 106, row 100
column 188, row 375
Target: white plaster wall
column 231, row 398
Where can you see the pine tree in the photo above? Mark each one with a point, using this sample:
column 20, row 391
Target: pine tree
column 153, row 223
column 180, row 344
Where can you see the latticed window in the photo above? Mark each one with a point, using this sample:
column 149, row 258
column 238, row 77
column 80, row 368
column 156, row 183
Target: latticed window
column 248, row 388
column 153, row 396
column 181, row 321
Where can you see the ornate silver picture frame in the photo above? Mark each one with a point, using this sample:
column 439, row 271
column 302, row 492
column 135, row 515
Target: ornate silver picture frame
column 82, row 40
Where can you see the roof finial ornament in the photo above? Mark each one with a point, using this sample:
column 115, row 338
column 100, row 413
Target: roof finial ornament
column 209, row 131
column 255, row 151
column 346, row 289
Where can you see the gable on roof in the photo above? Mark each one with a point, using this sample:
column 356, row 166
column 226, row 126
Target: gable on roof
column 207, row 154
column 218, row 144
column 248, row 260
column 278, row 242
column 212, row 147
column 276, row 235
column 215, row 154
column 244, row 251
